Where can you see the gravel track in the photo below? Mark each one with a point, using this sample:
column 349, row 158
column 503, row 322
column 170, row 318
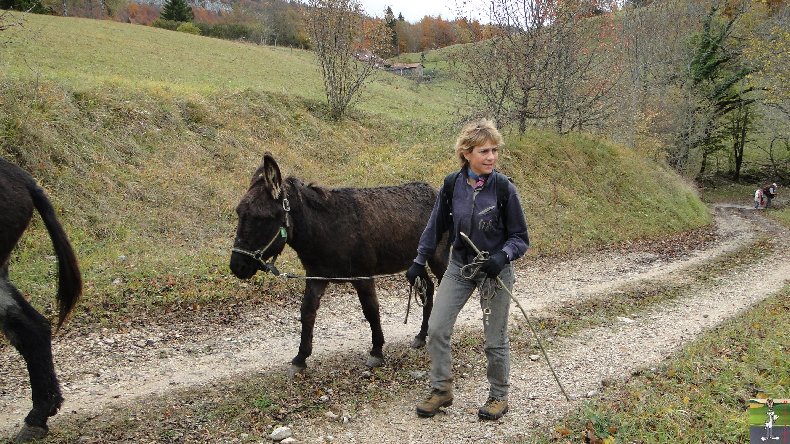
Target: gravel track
column 106, row 367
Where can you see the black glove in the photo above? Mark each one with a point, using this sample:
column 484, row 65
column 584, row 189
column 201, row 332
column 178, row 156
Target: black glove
column 494, row 265
column 416, row 270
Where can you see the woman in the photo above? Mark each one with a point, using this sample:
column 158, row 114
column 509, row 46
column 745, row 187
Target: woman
column 483, row 204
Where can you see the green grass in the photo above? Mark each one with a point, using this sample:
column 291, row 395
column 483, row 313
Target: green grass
column 781, row 215
column 605, row 192
column 85, row 53
column 701, row 394
column 146, row 159
column 729, row 192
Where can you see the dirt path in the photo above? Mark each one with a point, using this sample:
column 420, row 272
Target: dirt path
column 108, row 367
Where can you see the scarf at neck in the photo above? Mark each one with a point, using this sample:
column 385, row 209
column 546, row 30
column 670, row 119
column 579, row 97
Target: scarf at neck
column 480, row 180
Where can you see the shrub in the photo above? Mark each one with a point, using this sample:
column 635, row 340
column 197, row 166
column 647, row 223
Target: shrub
column 166, row 24
column 232, row 31
column 189, row 28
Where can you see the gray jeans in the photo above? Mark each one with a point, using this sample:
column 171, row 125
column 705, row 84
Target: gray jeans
column 453, row 293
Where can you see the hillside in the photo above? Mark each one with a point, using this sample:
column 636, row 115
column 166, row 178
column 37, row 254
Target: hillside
column 86, row 53
column 145, row 140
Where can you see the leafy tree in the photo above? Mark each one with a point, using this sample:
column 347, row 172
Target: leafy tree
column 137, row 13
column 720, row 97
column 189, row 28
column 287, row 24
column 391, row 22
column 177, row 10
column 768, row 49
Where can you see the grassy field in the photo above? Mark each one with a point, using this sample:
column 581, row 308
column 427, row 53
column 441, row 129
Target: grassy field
column 88, row 53
column 145, row 140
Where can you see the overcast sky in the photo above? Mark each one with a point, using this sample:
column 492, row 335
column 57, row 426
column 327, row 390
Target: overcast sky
column 413, row 10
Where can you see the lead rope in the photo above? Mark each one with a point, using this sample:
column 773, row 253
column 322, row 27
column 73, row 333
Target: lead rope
column 529, row 323
column 420, row 291
column 487, row 287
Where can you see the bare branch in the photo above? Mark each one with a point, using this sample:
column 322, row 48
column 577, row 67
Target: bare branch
column 346, row 46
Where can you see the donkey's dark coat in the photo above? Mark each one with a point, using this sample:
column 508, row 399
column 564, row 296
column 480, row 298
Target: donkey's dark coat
column 345, row 232
column 26, row 329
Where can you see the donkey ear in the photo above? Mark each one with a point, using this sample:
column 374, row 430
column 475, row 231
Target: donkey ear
column 269, row 173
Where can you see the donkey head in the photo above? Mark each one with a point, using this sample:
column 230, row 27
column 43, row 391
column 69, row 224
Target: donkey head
column 261, row 233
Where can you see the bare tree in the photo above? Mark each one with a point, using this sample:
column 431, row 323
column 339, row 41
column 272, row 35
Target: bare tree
column 346, row 45
column 583, row 68
column 653, row 52
column 547, row 63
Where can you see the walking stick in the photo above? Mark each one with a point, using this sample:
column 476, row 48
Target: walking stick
column 534, row 331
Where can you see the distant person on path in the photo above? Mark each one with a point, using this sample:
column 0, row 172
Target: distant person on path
column 770, row 193
column 758, row 198
column 482, row 203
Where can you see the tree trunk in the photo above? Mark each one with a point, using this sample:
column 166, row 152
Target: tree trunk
column 739, row 142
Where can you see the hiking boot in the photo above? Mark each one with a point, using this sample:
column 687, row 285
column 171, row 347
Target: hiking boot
column 430, row 406
column 493, row 409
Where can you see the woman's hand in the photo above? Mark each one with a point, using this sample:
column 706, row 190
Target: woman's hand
column 494, row 265
column 416, row 270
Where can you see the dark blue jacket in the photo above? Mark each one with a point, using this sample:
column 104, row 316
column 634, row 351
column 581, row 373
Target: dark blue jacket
column 478, row 215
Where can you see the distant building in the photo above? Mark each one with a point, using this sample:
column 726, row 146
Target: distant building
column 368, row 57
column 413, row 70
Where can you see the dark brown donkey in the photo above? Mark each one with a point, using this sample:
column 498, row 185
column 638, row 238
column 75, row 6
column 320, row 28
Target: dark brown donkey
column 26, row 329
column 337, row 233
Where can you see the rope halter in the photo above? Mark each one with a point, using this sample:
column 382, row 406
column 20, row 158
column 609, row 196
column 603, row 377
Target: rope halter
column 260, row 254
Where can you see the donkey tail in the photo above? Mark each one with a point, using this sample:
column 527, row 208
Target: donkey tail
column 69, row 277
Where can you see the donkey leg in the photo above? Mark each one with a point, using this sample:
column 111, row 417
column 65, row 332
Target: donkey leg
column 419, row 339
column 438, row 264
column 366, row 291
column 313, row 291
column 30, row 333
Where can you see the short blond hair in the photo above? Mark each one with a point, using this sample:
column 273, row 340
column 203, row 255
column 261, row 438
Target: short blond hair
column 476, row 133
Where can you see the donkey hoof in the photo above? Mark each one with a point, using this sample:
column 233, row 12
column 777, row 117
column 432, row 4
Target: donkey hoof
column 30, row 433
column 294, row 370
column 417, row 342
column 374, row 361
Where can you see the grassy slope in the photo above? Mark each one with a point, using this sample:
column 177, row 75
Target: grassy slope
column 146, row 157
column 86, row 53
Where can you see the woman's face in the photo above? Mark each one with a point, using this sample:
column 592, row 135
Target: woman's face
column 482, row 158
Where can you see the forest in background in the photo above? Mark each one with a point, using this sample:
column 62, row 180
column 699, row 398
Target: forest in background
column 701, row 85
column 269, row 22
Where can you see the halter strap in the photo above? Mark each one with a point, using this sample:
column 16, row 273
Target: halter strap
column 259, row 254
